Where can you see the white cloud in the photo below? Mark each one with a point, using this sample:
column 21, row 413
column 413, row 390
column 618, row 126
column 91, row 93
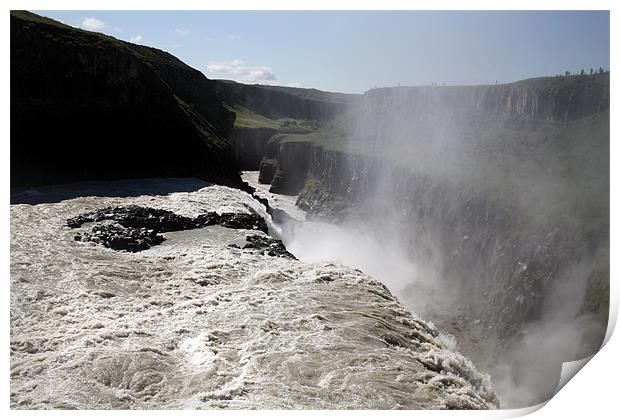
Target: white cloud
column 182, row 32
column 92, row 24
column 118, row 30
column 238, row 70
column 137, row 38
column 234, row 37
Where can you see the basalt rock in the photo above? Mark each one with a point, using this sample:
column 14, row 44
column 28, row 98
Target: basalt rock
column 507, row 241
column 138, row 228
column 243, row 221
column 265, row 245
column 267, row 171
column 137, row 217
column 207, row 219
column 121, row 238
column 292, row 166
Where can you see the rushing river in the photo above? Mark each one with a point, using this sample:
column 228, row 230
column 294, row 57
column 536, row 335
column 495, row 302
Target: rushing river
column 194, row 323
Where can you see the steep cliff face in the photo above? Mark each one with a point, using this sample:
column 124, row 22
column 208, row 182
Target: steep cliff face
column 287, row 158
column 249, row 144
column 547, row 98
column 546, row 129
column 289, row 176
column 335, row 182
column 88, row 106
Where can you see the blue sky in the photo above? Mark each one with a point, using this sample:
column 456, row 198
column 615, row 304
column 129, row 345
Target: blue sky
column 355, row 51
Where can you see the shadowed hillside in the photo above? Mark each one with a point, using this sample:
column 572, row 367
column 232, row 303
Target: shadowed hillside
column 86, row 106
column 265, row 102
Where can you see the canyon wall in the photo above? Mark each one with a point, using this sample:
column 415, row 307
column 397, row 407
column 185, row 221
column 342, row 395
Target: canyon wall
column 249, row 145
column 546, row 98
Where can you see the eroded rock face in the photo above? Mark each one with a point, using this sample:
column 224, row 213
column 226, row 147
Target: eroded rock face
column 545, row 98
column 138, row 228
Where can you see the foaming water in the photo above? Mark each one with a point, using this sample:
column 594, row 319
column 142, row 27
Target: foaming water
column 193, row 323
column 351, row 245
column 323, row 242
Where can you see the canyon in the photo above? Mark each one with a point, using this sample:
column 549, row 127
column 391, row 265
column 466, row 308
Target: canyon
column 412, row 241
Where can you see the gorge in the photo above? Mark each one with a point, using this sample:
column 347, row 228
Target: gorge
column 493, row 204
column 449, row 244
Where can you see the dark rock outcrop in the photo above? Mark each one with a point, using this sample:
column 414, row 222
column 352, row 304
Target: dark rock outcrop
column 266, row 246
column 285, row 164
column 139, row 217
column 120, row 238
column 138, row 228
column 242, row 221
column 292, row 166
column 86, row 106
column 268, row 169
column 335, row 181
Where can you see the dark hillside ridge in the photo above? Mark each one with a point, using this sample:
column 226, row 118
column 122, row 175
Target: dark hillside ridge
column 86, row 106
column 285, row 102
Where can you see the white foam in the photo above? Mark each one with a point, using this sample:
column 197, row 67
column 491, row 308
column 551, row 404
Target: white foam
column 96, row 328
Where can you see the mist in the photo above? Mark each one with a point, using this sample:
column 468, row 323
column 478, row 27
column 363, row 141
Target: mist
column 486, row 221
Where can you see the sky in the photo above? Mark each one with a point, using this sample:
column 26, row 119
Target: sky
column 348, row 51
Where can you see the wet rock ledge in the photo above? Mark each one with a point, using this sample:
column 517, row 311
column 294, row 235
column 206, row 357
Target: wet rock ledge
column 138, row 228
column 266, row 246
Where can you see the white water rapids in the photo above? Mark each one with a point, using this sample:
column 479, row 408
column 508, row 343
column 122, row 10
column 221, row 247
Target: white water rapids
column 193, row 323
